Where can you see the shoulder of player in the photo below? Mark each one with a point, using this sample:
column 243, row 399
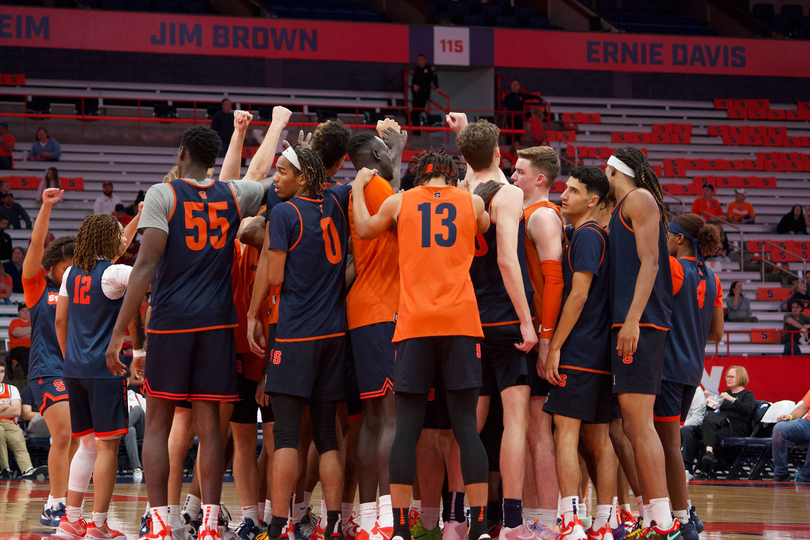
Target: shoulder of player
column 589, row 235
column 640, row 203
column 509, row 198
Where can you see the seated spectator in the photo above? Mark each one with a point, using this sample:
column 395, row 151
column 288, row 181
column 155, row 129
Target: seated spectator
column 793, row 222
column 707, row 206
column 19, row 338
column 5, row 240
column 13, row 212
column 106, row 202
column 132, row 209
column 795, row 328
column 121, row 215
column 723, row 252
column 511, row 154
column 48, row 239
column 6, row 287
column 538, row 132
column 691, row 431
column 137, row 414
column 793, row 428
column 799, row 292
column 36, row 428
column 5, row 187
column 508, row 168
column 44, row 148
column 51, row 180
column 14, row 268
column 739, row 308
column 730, row 417
column 740, row 211
column 11, row 436
column 7, row 142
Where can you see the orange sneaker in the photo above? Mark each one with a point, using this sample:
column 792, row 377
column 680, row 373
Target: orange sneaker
column 573, row 530
column 605, row 533
column 350, row 530
column 103, row 533
column 318, row 531
column 413, row 517
column 70, row 530
column 382, row 533
column 208, row 533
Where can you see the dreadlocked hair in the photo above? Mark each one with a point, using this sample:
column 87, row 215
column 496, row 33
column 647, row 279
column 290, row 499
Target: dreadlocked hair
column 331, row 141
column 432, row 163
column 203, row 144
column 99, row 236
column 645, row 176
column 707, row 235
column 312, row 169
column 60, row 249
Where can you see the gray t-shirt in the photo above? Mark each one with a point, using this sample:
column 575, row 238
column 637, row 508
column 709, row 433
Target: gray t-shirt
column 159, row 202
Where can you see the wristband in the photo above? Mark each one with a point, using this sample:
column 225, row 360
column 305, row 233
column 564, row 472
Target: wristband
column 790, row 417
column 138, row 353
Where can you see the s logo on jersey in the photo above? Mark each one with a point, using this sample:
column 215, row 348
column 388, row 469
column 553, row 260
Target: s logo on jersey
column 203, row 195
column 628, row 359
column 53, row 298
column 437, row 195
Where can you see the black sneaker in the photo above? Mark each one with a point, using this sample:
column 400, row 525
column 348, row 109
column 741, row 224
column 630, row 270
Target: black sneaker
column 787, row 477
column 7, row 473
column 688, row 531
column 694, row 519
column 32, row 473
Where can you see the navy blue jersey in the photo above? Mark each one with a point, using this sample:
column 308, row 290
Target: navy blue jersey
column 494, row 304
column 697, row 292
column 625, row 264
column 588, row 344
column 91, row 319
column 314, row 234
column 41, row 295
column 192, row 287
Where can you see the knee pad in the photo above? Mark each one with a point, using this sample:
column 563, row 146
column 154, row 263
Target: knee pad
column 81, row 467
column 285, row 436
column 325, row 441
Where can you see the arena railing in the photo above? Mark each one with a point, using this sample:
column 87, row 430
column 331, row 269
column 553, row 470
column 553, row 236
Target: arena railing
column 542, row 103
column 776, row 332
column 775, row 247
column 711, row 217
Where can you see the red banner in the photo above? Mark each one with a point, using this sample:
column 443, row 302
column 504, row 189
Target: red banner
column 200, row 34
column 771, row 378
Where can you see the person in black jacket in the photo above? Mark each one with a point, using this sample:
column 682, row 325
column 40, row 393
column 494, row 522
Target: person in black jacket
column 792, row 222
column 424, row 76
column 731, row 416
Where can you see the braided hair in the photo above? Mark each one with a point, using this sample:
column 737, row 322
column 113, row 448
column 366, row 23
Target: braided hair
column 203, row 144
column 60, row 249
column 707, row 235
column 431, row 164
column 312, row 169
column 645, row 176
column 99, row 236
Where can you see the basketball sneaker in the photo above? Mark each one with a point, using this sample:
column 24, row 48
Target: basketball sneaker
column 68, row 530
column 247, row 530
column 319, row 532
column 146, row 526
column 521, row 532
column 695, row 520
column 103, row 533
column 351, row 529
column 183, row 532
column 627, row 519
column 454, row 530
column 688, row 531
column 654, row 533
column 418, row 532
column 381, row 533
column 605, row 533
column 195, row 523
column 540, row 530
column 619, row 533
column 413, row 517
column 208, row 533
column 52, row 517
column 573, row 530
column 163, row 534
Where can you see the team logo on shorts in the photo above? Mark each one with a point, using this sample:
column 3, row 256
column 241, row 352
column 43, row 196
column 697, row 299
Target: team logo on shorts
column 431, row 394
column 628, row 359
column 564, row 378
column 203, row 195
column 478, row 350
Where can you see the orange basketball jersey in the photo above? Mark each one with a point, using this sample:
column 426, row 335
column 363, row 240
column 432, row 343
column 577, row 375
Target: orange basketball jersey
column 374, row 297
column 243, row 275
column 533, row 260
column 437, row 228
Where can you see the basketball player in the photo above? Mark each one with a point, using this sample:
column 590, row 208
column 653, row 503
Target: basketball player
column 192, row 351
column 641, row 302
column 535, row 171
column 502, row 288
column 697, row 316
column 89, row 300
column 438, row 326
column 579, row 358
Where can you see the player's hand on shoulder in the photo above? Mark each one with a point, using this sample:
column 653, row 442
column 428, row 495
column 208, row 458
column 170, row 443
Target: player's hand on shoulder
column 364, row 177
column 52, row 195
column 487, row 190
column 456, row 121
column 281, row 114
column 241, row 120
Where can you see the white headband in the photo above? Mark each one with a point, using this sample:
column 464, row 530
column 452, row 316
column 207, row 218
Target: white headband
column 292, row 157
column 620, row 166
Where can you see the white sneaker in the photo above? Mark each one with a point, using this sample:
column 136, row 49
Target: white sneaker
column 137, row 476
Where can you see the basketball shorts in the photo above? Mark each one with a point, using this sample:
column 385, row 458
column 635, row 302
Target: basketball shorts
column 582, row 395
column 539, row 386
column 456, row 359
column 437, row 416
column 49, row 391
column 98, row 406
column 374, row 354
column 641, row 372
column 502, row 364
column 672, row 404
column 245, row 411
column 313, row 369
column 192, row 365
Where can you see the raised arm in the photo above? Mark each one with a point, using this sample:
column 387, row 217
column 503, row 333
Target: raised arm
column 33, row 259
column 262, row 162
column 132, row 228
column 232, row 164
column 580, row 285
column 367, row 226
column 396, row 142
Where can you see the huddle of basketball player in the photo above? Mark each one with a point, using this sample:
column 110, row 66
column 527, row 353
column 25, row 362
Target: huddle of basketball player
column 464, row 339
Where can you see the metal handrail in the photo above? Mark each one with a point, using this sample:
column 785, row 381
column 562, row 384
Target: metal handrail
column 407, row 101
column 727, row 337
column 546, row 107
column 683, row 203
column 774, row 265
column 712, row 217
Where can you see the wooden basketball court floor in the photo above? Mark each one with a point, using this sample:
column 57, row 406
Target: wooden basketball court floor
column 730, row 510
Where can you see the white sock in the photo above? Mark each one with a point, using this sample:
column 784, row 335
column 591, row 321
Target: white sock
column 682, row 515
column 529, row 513
column 368, row 515
column 210, row 515
column 416, row 505
column 73, row 513
column 268, row 511
column 148, row 511
column 430, row 517
column 299, row 509
column 307, row 499
column 386, row 518
column 582, row 510
column 547, row 516
column 614, row 514
column 322, row 520
column 54, row 503
column 260, row 507
column 647, row 515
column 569, row 508
column 251, row 512
column 192, row 506
column 640, row 503
column 661, row 513
column 174, row 516
column 160, row 518
column 346, row 513
column 99, row 518
column 600, row 519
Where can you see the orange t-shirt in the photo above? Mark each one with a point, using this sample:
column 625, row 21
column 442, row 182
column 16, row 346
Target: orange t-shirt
column 18, row 342
column 243, row 275
column 8, row 138
column 737, row 211
column 702, row 205
column 436, row 294
column 374, row 297
column 535, row 270
column 5, row 285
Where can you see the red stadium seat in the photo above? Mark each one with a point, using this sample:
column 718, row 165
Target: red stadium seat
column 768, row 335
column 771, row 294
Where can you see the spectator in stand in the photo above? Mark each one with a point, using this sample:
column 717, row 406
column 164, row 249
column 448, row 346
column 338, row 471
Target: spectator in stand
column 739, row 308
column 5, row 241
column 691, row 431
column 48, row 239
column 793, row 428
column 424, row 78
column 13, row 212
column 512, row 152
column 14, row 268
column 515, row 103
column 11, row 436
column 137, row 415
column 725, row 248
column 728, row 417
column 538, row 132
column 45, row 148
column 795, row 328
column 5, row 187
column 222, row 123
column 740, row 211
column 707, row 206
column 51, row 180
column 19, row 339
column 407, row 180
column 6, row 287
column 105, row 204
column 37, row 428
column 793, row 222
column 508, row 168
column 7, row 142
column 799, row 292
column 121, row 215
column 132, row 209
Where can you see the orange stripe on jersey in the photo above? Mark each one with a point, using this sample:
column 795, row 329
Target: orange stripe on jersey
column 201, row 186
column 235, row 201
column 186, row 330
column 677, row 274
column 647, row 325
column 577, row 368
column 295, row 340
column 300, row 222
column 174, row 204
column 436, row 228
